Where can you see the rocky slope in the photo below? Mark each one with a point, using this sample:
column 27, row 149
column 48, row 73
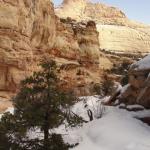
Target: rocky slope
column 77, row 40
column 116, row 32
column 76, row 49
column 30, row 32
column 137, row 91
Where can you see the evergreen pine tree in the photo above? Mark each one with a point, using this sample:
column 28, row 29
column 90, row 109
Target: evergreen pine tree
column 39, row 104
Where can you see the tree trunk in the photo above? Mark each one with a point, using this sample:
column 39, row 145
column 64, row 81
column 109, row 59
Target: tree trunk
column 46, row 132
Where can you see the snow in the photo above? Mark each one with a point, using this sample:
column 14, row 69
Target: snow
column 93, row 103
column 135, row 106
column 143, row 64
column 119, row 87
column 124, row 88
column 117, row 130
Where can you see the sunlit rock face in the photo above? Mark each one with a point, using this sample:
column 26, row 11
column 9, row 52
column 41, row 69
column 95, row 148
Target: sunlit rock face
column 76, row 49
column 117, row 33
column 27, row 31
column 30, row 32
column 123, row 39
column 77, row 40
column 86, row 10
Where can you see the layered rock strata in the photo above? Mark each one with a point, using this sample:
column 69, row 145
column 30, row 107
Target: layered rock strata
column 27, row 29
column 76, row 49
column 77, row 40
column 117, row 33
column 30, row 32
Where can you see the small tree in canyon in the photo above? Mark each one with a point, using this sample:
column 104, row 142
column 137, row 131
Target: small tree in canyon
column 40, row 105
column 104, row 88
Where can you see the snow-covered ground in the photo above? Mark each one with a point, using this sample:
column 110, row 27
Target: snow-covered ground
column 118, row 129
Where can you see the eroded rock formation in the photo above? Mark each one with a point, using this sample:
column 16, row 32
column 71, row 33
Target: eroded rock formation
column 30, row 32
column 86, row 10
column 77, row 40
column 137, row 91
column 76, row 49
column 116, row 32
column 27, row 29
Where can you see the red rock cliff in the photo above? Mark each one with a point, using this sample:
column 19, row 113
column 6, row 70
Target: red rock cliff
column 30, row 31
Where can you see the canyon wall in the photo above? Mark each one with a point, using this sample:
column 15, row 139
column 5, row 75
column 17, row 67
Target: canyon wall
column 137, row 91
column 76, row 50
column 86, row 10
column 30, row 32
column 27, row 30
column 77, row 40
column 117, row 33
column 123, row 39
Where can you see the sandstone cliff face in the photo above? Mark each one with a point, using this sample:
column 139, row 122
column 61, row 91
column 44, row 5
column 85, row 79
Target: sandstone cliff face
column 86, row 10
column 27, row 30
column 123, row 39
column 76, row 49
column 30, row 32
column 116, row 32
column 77, row 40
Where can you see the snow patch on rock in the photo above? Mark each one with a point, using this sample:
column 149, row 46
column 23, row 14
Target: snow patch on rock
column 143, row 64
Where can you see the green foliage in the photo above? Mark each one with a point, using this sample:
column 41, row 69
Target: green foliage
column 105, row 88
column 120, row 69
column 97, row 89
column 124, row 80
column 39, row 104
column 11, row 127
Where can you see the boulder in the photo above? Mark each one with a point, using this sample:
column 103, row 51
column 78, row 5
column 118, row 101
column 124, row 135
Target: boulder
column 138, row 89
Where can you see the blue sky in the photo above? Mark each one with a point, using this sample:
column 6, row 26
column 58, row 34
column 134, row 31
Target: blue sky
column 135, row 9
